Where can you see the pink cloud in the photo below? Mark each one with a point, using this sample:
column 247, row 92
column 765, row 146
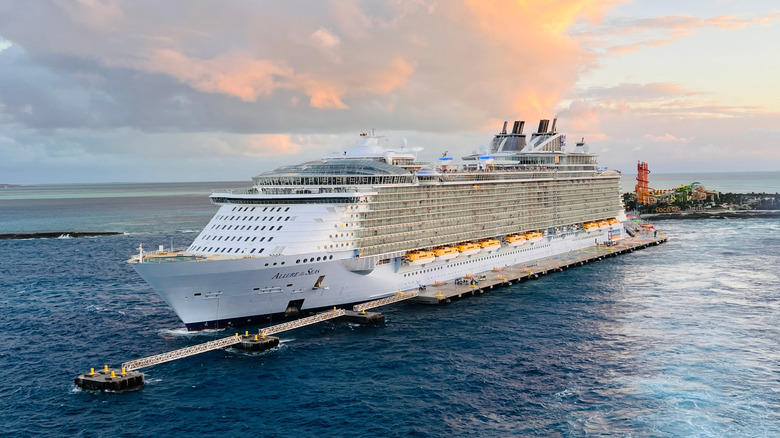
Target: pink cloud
column 325, row 39
column 237, row 75
column 271, row 144
column 666, row 138
column 659, row 31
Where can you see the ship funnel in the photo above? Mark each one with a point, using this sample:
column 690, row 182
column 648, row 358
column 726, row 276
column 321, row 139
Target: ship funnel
column 543, row 125
column 503, row 131
column 520, row 127
column 553, row 126
column 514, row 128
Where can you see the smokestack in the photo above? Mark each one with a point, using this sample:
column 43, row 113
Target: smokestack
column 555, row 120
column 541, row 126
column 520, row 127
column 503, row 131
column 514, row 128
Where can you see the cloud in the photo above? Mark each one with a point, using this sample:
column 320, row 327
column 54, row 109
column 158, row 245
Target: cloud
column 674, row 128
column 633, row 34
column 666, row 138
column 111, row 81
column 235, row 74
column 272, row 144
column 447, row 67
column 325, row 39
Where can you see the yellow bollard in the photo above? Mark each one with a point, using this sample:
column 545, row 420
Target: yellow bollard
column 364, row 311
column 255, row 337
column 124, row 371
column 262, row 334
column 247, row 334
column 112, row 374
column 438, row 295
column 105, row 368
column 91, row 371
column 236, row 334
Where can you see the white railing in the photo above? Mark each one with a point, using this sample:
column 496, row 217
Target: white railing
column 400, row 296
column 180, row 353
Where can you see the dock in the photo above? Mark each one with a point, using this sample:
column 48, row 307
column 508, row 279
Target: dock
column 128, row 377
column 481, row 282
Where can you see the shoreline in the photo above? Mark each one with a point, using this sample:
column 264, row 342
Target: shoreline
column 717, row 214
column 57, row 235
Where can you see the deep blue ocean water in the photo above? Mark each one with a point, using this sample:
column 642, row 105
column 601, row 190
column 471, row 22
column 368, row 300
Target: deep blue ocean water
column 675, row 340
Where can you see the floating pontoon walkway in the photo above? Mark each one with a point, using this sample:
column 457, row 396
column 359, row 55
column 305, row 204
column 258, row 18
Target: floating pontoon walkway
column 129, row 378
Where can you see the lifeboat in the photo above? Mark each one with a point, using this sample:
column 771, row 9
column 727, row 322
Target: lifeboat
column 613, row 221
column 420, row 257
column 490, row 245
column 590, row 226
column 446, row 253
column 469, row 248
column 533, row 236
column 603, row 224
column 515, row 239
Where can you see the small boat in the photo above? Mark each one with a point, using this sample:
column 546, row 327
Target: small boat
column 515, row 239
column 446, row 253
column 420, row 257
column 469, row 248
column 490, row 244
column 603, row 224
column 613, row 221
column 590, row 226
column 534, row 236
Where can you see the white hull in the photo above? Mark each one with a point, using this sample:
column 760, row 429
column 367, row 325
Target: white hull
column 207, row 294
column 447, row 256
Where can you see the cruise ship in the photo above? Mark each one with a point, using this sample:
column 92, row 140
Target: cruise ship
column 370, row 221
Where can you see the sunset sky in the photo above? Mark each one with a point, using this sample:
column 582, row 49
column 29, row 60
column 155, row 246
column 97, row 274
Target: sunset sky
column 183, row 90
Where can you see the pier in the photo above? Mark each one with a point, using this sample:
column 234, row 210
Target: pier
column 128, row 377
column 481, row 282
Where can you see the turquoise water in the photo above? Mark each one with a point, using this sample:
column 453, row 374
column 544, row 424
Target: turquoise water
column 675, row 340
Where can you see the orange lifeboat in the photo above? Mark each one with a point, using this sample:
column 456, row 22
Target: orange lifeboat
column 420, row 257
column 469, row 248
column 534, row 236
column 515, row 239
column 590, row 226
column 490, row 244
column 446, row 253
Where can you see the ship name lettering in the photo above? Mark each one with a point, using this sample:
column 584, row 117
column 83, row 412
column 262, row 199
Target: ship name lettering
column 279, row 275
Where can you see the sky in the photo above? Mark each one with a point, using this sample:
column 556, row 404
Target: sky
column 191, row 90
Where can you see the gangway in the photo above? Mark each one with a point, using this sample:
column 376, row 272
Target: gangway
column 129, row 377
column 400, row 296
column 268, row 331
column 180, row 353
